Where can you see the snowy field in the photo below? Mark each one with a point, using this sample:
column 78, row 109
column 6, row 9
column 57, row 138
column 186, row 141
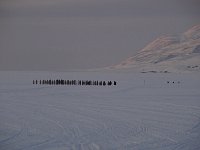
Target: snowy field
column 143, row 112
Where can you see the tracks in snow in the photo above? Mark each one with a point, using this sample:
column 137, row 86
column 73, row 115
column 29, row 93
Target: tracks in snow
column 125, row 118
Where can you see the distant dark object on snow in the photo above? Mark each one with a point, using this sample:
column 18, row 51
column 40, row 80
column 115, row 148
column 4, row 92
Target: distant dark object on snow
column 173, row 82
column 75, row 82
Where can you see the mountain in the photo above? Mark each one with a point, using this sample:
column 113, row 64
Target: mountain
column 167, row 54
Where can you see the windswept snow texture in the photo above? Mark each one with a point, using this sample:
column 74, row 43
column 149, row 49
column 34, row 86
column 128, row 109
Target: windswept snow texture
column 143, row 112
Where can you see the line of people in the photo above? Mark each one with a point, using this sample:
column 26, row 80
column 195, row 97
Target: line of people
column 74, row 82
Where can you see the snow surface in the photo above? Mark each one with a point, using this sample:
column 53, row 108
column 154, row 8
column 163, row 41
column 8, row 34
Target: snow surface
column 143, row 112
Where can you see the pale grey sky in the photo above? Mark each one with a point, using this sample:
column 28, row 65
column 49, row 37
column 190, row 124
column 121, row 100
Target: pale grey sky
column 80, row 34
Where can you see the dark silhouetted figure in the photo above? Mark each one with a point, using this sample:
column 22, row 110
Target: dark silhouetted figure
column 62, row 82
column 115, row 83
column 109, row 83
column 90, row 82
column 83, row 82
column 57, row 82
column 100, row 83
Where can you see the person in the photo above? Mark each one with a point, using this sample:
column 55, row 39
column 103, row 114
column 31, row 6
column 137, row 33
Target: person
column 62, row 82
column 109, row 83
column 49, row 82
column 100, row 83
column 82, row 82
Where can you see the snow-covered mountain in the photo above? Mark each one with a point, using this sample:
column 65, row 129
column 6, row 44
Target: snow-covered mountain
column 167, row 54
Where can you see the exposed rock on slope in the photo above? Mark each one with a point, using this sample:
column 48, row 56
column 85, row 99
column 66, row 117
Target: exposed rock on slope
column 167, row 54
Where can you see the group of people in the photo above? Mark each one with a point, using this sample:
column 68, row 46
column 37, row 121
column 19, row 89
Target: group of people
column 74, row 82
column 178, row 82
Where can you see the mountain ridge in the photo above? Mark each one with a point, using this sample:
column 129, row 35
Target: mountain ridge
column 167, row 54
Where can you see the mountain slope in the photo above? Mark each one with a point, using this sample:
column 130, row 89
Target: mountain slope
column 167, row 54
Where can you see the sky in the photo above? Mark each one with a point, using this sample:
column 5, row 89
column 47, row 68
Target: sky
column 61, row 35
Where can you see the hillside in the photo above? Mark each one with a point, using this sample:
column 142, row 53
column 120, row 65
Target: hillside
column 167, row 54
